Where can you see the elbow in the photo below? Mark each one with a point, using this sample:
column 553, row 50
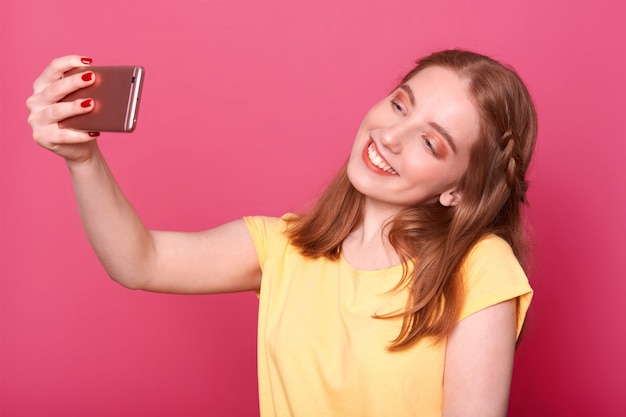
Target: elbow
column 130, row 285
column 129, row 280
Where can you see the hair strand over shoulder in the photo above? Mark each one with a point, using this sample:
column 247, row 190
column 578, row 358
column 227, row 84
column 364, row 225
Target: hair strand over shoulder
column 432, row 240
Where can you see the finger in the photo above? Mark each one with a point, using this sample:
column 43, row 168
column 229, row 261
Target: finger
column 59, row 89
column 57, row 68
column 54, row 113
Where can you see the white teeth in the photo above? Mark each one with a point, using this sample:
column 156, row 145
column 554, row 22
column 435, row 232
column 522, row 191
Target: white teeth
column 378, row 160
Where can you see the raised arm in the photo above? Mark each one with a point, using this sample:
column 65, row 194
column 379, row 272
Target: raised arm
column 218, row 260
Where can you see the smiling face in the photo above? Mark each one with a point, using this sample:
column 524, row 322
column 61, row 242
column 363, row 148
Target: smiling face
column 413, row 146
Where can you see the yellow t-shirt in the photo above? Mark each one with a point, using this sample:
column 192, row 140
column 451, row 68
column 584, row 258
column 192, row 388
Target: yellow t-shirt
column 320, row 351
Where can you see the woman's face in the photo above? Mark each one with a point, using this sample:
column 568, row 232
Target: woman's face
column 414, row 145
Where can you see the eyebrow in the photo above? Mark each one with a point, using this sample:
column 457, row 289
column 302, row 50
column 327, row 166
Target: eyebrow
column 409, row 92
column 440, row 129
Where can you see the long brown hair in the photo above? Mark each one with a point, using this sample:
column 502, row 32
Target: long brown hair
column 438, row 238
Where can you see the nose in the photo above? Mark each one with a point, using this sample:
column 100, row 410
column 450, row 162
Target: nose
column 392, row 136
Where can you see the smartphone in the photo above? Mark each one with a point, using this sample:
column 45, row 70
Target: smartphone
column 115, row 92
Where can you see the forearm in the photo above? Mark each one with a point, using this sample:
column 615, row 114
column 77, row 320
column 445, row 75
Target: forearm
column 115, row 230
column 222, row 259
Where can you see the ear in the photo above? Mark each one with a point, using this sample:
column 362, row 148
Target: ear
column 450, row 198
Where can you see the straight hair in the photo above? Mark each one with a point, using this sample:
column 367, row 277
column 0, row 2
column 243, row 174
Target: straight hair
column 433, row 240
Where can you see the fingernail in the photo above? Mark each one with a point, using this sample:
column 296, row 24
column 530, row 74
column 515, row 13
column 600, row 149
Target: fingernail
column 85, row 103
column 86, row 60
column 87, row 76
column 94, row 134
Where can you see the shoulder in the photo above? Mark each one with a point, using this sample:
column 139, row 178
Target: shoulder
column 263, row 228
column 267, row 233
column 491, row 274
column 261, row 223
column 491, row 244
column 491, row 253
column 267, row 224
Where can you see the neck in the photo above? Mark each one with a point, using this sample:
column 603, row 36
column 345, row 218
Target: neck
column 367, row 246
column 376, row 216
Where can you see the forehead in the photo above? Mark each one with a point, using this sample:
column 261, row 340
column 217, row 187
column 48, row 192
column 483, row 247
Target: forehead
column 443, row 97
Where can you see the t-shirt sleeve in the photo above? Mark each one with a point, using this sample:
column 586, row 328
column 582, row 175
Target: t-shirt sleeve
column 492, row 274
column 261, row 229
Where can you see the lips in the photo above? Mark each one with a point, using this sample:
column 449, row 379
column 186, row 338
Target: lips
column 372, row 156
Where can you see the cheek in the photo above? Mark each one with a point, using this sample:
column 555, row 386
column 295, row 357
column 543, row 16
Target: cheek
column 360, row 139
column 435, row 174
column 454, row 172
column 461, row 165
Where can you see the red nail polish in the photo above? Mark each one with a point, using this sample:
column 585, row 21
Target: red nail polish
column 87, row 76
column 85, row 103
column 94, row 134
column 86, row 60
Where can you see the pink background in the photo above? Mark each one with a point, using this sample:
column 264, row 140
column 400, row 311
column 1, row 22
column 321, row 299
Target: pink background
column 249, row 108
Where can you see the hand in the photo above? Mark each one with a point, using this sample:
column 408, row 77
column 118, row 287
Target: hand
column 46, row 110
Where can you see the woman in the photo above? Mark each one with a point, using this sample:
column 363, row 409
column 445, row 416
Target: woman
column 400, row 292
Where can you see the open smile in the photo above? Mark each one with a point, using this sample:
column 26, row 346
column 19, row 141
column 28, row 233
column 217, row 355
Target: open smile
column 373, row 159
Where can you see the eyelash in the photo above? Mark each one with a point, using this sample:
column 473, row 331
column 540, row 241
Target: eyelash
column 397, row 106
column 429, row 145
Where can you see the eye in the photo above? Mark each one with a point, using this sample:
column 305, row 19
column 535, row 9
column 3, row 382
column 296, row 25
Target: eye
column 397, row 106
column 430, row 145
